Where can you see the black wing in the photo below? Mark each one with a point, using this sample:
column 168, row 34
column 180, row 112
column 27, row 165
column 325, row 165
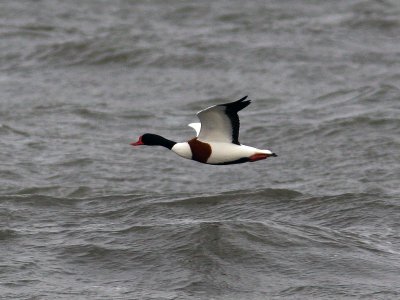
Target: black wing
column 231, row 110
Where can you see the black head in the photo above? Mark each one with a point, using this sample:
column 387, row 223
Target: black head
column 150, row 139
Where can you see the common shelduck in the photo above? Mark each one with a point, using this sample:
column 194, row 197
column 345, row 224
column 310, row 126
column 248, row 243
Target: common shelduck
column 217, row 141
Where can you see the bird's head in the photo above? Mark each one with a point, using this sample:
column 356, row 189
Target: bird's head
column 150, row 139
column 145, row 139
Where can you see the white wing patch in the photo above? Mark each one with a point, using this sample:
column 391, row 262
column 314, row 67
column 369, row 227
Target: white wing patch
column 196, row 126
column 215, row 125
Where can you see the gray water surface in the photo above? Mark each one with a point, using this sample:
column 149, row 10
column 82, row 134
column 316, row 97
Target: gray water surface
column 83, row 215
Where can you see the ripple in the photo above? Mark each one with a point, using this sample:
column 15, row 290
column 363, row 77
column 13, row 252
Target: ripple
column 6, row 234
column 6, row 129
column 214, row 199
column 90, row 52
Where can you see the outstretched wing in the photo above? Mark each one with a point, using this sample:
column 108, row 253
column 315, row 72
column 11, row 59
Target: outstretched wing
column 220, row 123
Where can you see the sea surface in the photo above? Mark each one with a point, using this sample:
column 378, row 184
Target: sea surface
column 84, row 215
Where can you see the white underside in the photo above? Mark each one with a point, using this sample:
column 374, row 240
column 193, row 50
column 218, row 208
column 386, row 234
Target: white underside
column 221, row 152
column 227, row 152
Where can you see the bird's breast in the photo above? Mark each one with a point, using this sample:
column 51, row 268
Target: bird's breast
column 182, row 149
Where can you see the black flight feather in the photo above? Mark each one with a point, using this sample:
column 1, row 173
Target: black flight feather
column 231, row 110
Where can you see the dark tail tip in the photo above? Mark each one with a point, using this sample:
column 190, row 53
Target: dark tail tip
column 274, row 155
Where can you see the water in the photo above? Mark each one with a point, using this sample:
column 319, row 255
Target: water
column 83, row 215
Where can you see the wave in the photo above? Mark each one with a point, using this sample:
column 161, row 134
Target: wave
column 100, row 51
column 30, row 197
column 209, row 252
column 361, row 121
column 238, row 241
column 227, row 196
column 6, row 129
column 6, row 234
column 284, row 212
column 90, row 52
column 382, row 24
column 265, row 196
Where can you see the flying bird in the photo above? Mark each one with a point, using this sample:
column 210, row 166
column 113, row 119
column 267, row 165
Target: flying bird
column 217, row 140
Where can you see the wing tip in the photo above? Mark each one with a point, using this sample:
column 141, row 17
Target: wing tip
column 238, row 104
column 243, row 100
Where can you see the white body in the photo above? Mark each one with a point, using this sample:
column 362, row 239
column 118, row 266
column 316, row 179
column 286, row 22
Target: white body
column 220, row 152
column 225, row 152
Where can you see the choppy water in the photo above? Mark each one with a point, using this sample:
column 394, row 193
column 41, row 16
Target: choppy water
column 83, row 215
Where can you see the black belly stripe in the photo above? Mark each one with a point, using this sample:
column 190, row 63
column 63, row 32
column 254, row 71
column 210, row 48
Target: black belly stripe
column 238, row 161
